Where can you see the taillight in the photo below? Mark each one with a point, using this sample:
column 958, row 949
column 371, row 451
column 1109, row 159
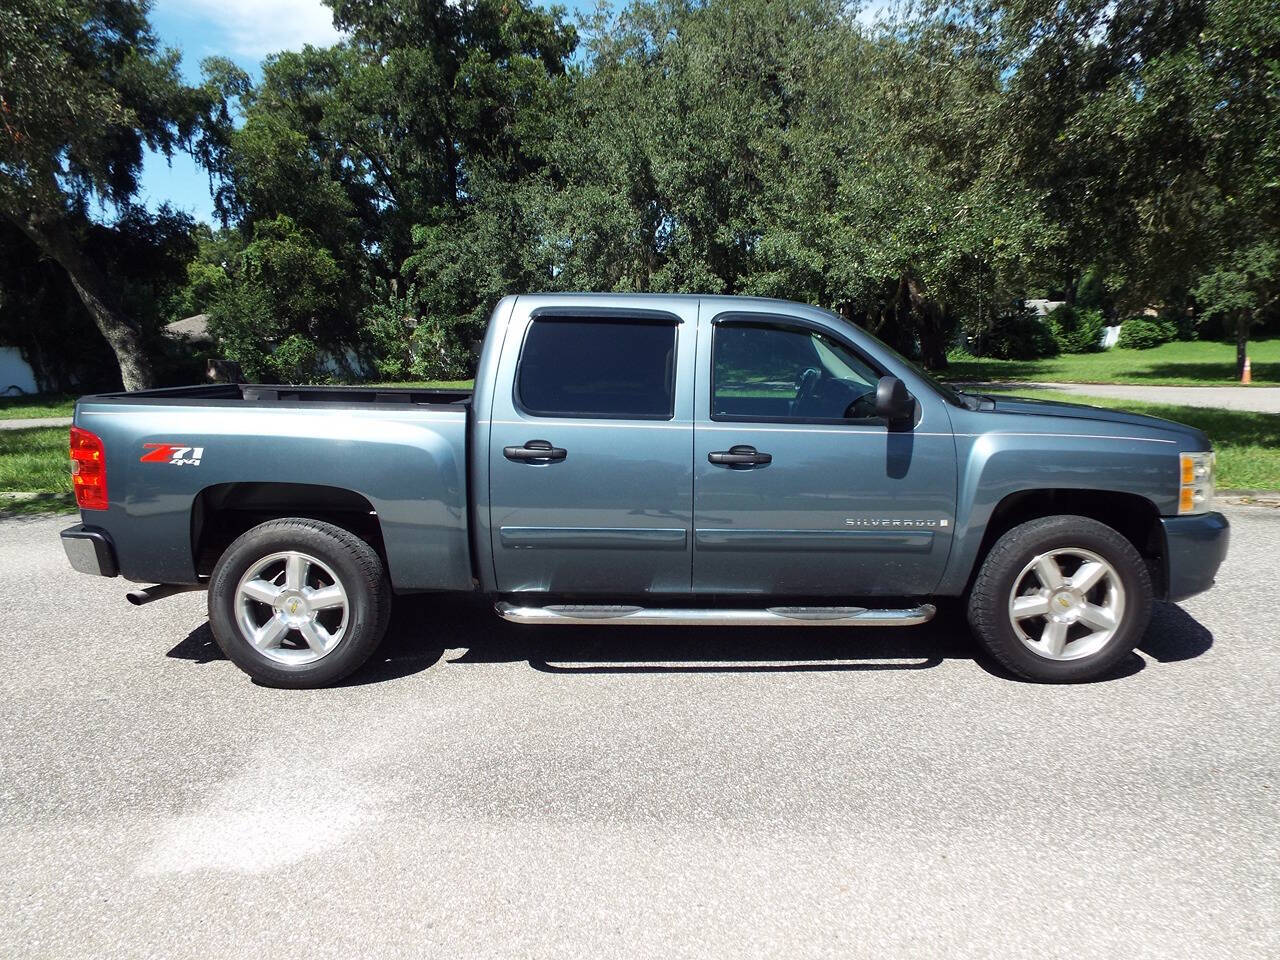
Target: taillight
column 88, row 470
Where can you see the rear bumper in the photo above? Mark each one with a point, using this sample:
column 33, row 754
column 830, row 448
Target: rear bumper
column 89, row 550
column 1194, row 549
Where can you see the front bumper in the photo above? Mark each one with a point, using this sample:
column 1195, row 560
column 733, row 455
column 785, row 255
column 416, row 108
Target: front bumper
column 1195, row 547
column 90, row 550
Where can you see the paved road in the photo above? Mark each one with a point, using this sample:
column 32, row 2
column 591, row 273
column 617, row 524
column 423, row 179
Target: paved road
column 490, row 791
column 1259, row 399
column 36, row 422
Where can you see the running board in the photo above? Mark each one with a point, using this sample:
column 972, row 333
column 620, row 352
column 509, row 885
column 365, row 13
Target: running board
column 677, row 617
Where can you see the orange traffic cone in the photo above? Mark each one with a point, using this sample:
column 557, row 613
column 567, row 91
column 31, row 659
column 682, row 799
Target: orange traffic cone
column 1247, row 376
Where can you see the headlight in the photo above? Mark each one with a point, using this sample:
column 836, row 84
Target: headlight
column 1196, row 485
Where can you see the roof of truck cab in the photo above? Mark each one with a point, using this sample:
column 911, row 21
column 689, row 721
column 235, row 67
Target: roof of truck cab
column 722, row 301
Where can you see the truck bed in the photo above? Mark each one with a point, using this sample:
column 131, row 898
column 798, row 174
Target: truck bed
column 190, row 467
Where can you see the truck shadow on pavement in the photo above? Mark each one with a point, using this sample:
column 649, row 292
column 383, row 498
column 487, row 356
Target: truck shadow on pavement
column 423, row 628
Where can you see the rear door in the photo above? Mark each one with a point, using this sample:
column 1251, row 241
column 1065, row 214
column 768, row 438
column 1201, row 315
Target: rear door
column 800, row 490
column 590, row 482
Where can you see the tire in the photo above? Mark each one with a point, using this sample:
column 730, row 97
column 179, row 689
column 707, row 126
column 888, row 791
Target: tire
column 1083, row 633
column 276, row 583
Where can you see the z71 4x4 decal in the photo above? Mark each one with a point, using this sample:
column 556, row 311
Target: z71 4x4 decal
column 172, row 453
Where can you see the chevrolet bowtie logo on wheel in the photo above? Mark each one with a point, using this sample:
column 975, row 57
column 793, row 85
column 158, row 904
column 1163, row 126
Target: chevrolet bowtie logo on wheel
column 293, row 605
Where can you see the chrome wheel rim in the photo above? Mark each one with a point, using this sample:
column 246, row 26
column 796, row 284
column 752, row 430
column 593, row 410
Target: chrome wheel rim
column 1066, row 604
column 292, row 608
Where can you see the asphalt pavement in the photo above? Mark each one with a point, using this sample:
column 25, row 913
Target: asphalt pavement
column 487, row 790
column 29, row 423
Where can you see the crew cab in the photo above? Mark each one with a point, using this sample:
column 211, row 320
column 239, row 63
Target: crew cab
column 648, row 459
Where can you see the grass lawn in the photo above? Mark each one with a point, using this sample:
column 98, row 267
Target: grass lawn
column 1248, row 444
column 35, row 461
column 426, row 384
column 1197, row 363
column 36, row 405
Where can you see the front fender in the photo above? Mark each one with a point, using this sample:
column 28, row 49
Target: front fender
column 997, row 464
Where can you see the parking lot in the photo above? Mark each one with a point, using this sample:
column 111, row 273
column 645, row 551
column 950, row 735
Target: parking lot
column 486, row 790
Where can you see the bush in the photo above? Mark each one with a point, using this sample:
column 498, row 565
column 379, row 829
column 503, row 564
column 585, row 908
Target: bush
column 404, row 346
column 1077, row 330
column 1019, row 336
column 1143, row 333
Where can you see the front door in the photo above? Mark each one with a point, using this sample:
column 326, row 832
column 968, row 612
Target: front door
column 799, row 490
column 590, row 484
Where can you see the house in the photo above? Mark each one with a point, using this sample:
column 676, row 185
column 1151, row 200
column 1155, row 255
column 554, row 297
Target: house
column 16, row 375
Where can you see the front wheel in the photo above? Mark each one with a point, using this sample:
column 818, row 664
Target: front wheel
column 298, row 603
column 1061, row 599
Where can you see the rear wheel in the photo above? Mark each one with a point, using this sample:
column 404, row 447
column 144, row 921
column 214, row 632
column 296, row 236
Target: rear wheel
column 298, row 603
column 1061, row 599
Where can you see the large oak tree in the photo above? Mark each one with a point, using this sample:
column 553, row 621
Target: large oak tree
column 84, row 88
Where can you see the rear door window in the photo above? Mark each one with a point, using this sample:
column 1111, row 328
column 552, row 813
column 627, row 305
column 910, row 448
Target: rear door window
column 606, row 369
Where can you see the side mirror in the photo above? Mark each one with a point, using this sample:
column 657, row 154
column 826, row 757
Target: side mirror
column 893, row 401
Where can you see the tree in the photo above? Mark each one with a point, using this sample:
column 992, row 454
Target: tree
column 281, row 310
column 1239, row 290
column 84, row 88
column 396, row 134
column 1154, row 132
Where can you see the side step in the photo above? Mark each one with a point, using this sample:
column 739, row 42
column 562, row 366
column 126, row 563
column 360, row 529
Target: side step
column 675, row 616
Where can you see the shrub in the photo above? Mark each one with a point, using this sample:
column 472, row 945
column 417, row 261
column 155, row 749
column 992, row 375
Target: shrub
column 1077, row 330
column 1143, row 333
column 1019, row 336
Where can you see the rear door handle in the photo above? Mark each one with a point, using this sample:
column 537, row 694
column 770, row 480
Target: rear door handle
column 740, row 455
column 535, row 451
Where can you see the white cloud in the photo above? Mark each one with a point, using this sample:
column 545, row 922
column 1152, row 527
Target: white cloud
column 254, row 28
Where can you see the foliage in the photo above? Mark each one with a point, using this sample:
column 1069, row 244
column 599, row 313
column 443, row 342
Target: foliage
column 1143, row 333
column 918, row 175
column 402, row 345
column 1019, row 336
column 84, row 87
column 1077, row 329
column 146, row 257
column 283, row 288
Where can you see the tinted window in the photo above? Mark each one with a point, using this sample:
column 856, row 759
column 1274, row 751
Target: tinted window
column 774, row 372
column 597, row 368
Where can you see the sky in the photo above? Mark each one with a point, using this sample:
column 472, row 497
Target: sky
column 246, row 31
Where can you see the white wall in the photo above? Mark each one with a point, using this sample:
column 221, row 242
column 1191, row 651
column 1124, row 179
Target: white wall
column 14, row 371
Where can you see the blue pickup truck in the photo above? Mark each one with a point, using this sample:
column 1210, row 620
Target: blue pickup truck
column 637, row 459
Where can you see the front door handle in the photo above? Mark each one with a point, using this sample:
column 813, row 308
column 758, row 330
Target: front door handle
column 740, row 455
column 535, row 451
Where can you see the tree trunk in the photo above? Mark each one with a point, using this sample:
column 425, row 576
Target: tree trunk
column 1242, row 341
column 122, row 335
column 931, row 327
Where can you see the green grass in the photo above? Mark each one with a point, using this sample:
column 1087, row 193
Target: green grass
column 1248, row 444
column 427, row 384
column 36, row 405
column 34, row 461
column 1197, row 363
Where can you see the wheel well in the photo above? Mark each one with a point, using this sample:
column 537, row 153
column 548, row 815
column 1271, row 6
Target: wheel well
column 1133, row 517
column 223, row 512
